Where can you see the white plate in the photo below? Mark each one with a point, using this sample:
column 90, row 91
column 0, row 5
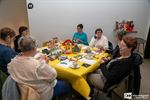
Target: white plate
column 75, row 67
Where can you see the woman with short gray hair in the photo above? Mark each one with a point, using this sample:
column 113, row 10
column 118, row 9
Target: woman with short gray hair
column 26, row 69
column 27, row 44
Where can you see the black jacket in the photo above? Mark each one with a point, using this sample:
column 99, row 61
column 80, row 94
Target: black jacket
column 117, row 71
column 137, row 61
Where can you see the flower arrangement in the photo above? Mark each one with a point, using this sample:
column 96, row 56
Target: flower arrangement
column 127, row 26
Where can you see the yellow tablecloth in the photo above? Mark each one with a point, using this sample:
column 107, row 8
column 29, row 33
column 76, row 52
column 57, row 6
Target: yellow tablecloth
column 77, row 77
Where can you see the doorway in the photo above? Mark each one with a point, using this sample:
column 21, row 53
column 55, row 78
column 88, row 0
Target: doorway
column 147, row 47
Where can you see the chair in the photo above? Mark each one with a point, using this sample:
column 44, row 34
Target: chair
column 139, row 42
column 110, row 48
column 28, row 93
column 116, row 92
column 13, row 91
column 137, row 60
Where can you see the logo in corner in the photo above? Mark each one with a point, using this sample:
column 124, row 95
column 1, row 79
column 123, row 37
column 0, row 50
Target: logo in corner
column 128, row 95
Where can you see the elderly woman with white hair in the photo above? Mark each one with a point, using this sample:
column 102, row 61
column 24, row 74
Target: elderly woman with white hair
column 27, row 70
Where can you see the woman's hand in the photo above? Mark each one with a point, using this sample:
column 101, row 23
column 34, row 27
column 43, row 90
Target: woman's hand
column 76, row 40
column 44, row 57
column 105, row 59
column 40, row 56
column 102, row 60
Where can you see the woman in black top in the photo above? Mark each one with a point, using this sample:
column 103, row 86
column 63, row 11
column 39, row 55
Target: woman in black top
column 137, row 61
column 23, row 31
column 117, row 69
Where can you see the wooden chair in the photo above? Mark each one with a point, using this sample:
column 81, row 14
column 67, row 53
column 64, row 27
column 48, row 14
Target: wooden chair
column 28, row 93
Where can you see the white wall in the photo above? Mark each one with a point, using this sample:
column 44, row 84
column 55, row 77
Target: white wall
column 13, row 13
column 51, row 18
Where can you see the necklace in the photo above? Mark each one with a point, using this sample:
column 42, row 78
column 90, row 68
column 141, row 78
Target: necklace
column 124, row 56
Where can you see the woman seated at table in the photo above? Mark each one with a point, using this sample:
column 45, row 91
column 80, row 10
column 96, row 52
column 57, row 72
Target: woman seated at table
column 99, row 40
column 6, row 53
column 80, row 37
column 117, row 69
column 23, row 31
column 34, row 71
column 137, row 61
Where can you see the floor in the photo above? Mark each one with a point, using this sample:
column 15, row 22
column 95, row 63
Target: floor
column 145, row 82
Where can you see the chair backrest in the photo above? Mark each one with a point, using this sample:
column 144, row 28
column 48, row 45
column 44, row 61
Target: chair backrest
column 138, row 60
column 116, row 92
column 28, row 93
column 110, row 47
